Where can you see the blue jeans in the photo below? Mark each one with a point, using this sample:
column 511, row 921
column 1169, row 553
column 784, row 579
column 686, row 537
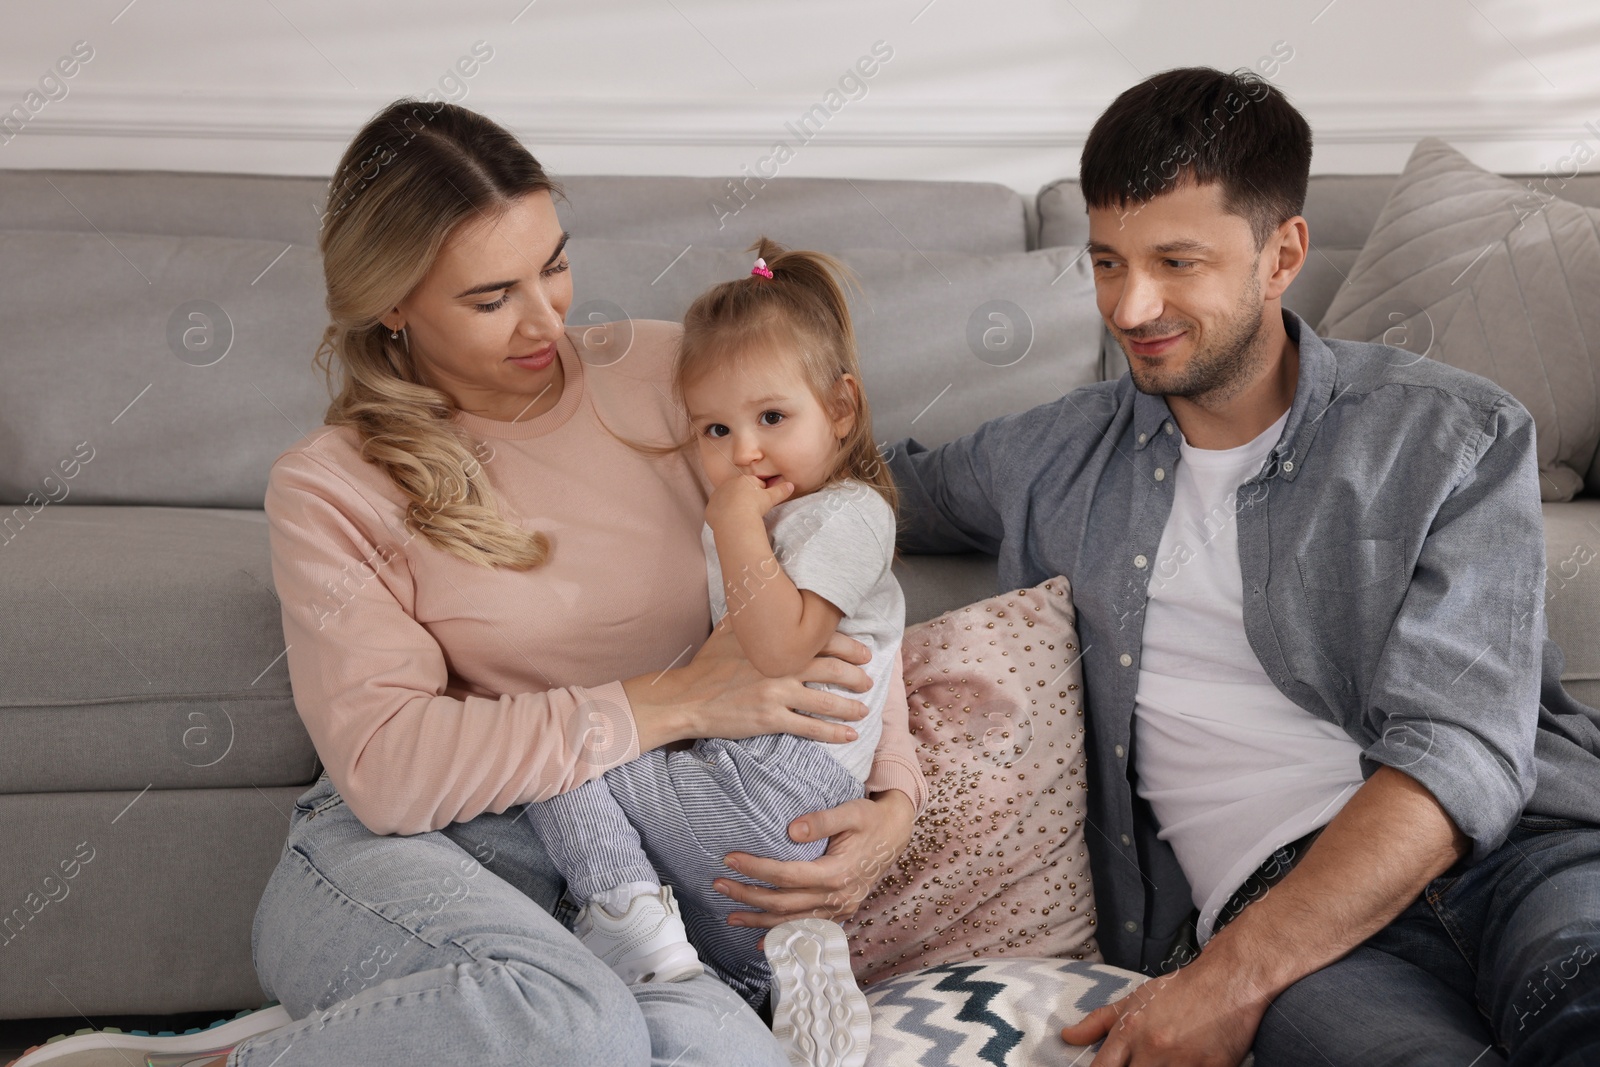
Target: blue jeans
column 1497, row 963
column 452, row 947
column 678, row 813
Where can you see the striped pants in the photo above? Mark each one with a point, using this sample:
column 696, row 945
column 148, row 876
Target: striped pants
column 672, row 815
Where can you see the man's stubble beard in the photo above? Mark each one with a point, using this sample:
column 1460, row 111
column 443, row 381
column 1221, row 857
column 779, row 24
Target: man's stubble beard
column 1223, row 365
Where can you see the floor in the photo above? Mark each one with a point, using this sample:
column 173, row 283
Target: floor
column 19, row 1034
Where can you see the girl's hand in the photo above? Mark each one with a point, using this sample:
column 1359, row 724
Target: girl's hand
column 744, row 497
column 864, row 838
column 720, row 694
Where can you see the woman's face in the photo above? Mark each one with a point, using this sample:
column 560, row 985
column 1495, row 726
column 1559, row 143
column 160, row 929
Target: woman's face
column 499, row 289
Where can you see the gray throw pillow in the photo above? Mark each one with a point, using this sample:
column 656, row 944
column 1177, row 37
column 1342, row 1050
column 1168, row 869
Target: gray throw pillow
column 1498, row 277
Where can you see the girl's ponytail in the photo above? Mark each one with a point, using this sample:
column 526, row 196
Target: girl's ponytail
column 816, row 272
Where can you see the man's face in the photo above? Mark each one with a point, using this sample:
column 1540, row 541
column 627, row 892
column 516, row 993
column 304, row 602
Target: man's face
column 1179, row 281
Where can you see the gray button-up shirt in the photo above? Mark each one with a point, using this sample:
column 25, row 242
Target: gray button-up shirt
column 1392, row 551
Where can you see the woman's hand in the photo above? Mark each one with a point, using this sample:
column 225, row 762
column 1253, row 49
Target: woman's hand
column 719, row 694
column 864, row 838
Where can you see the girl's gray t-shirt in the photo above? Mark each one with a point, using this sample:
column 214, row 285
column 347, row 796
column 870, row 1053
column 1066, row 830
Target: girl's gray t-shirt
column 837, row 542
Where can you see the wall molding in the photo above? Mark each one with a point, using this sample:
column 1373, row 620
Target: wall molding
column 95, row 112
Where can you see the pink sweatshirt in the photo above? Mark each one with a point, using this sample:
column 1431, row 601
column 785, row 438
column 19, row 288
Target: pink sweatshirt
column 436, row 690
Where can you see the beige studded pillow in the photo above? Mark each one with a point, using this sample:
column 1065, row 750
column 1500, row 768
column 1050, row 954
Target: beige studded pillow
column 997, row 864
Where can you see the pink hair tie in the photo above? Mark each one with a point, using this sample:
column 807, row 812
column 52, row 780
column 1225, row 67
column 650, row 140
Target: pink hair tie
column 761, row 268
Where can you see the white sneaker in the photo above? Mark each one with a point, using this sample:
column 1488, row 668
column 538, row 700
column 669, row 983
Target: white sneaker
column 113, row 1048
column 819, row 1014
column 647, row 944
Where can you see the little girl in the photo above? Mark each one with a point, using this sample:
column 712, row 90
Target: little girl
column 799, row 538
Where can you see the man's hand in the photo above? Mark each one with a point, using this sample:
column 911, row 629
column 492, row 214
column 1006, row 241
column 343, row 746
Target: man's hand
column 1372, row 860
column 1197, row 1017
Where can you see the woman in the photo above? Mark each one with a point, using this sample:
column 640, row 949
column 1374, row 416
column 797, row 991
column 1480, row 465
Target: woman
column 488, row 599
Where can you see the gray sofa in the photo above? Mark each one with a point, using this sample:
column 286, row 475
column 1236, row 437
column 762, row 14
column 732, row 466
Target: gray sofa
column 149, row 745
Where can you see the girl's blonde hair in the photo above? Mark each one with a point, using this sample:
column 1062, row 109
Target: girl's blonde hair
column 800, row 310
column 412, row 174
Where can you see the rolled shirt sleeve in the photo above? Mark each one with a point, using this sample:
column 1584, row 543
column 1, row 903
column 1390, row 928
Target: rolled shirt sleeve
column 1455, row 698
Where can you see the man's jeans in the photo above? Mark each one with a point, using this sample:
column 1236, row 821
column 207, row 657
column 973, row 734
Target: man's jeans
column 1498, row 963
column 442, row 948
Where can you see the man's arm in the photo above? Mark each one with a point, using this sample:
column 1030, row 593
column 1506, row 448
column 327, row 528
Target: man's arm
column 1365, row 868
column 944, row 501
column 1454, row 704
column 953, row 496
column 1454, row 699
column 1373, row 859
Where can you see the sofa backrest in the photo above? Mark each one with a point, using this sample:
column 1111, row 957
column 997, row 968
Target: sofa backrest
column 101, row 274
column 164, row 323
column 973, row 217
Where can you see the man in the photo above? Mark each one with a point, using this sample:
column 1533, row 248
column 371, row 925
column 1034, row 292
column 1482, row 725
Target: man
column 1328, row 738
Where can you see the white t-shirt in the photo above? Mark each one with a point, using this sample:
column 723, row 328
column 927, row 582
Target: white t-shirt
column 839, row 543
column 1232, row 768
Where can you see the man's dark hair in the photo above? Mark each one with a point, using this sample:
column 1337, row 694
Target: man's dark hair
column 1200, row 124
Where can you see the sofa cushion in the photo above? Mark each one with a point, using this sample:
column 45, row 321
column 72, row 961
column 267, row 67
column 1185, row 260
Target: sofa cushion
column 1572, row 592
column 1063, row 217
column 990, row 1013
column 997, row 863
column 974, row 217
column 182, row 363
column 134, row 902
column 947, row 341
column 143, row 647
column 1480, row 272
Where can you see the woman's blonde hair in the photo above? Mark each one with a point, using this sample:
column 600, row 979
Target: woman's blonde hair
column 412, row 174
column 802, row 311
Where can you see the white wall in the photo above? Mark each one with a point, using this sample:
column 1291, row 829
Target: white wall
column 993, row 90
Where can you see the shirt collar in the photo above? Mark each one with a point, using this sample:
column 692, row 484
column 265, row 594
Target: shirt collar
column 1318, row 368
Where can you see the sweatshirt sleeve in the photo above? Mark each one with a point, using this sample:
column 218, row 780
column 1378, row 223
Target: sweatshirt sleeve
column 369, row 680
column 894, row 763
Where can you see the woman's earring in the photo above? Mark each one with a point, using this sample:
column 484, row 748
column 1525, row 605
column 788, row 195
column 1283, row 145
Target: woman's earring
column 394, row 335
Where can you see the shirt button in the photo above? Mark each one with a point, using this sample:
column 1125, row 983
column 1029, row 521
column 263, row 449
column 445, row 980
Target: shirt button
column 1120, row 751
column 1160, row 474
column 1142, row 437
column 1125, row 659
column 1167, row 426
column 1139, row 561
column 1126, row 840
column 1130, row 926
column 1288, row 465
